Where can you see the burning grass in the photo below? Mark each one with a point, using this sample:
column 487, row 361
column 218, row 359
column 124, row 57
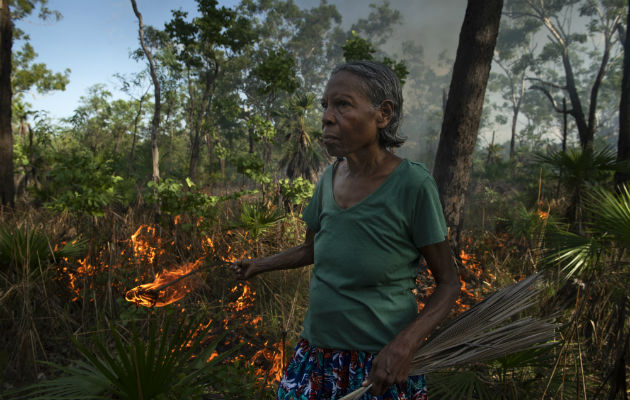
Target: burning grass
column 179, row 268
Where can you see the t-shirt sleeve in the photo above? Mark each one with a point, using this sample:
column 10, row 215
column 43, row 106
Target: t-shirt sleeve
column 428, row 224
column 313, row 209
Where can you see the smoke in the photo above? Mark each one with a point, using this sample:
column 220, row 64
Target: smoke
column 432, row 24
column 433, row 27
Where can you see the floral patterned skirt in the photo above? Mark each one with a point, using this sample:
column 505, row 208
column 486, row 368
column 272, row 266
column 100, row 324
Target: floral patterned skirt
column 315, row 373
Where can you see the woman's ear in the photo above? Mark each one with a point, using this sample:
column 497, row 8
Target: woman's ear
column 385, row 113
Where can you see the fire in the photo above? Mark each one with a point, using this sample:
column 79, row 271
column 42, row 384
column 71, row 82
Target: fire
column 245, row 300
column 473, row 271
column 542, row 214
column 168, row 287
column 271, row 360
column 146, row 249
column 143, row 248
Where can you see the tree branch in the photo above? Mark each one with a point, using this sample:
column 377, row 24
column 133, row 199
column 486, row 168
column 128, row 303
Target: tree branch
column 550, row 97
column 546, row 83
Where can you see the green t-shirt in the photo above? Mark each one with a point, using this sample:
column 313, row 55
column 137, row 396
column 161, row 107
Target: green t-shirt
column 366, row 259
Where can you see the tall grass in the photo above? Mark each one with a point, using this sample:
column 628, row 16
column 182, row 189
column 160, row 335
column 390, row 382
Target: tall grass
column 47, row 297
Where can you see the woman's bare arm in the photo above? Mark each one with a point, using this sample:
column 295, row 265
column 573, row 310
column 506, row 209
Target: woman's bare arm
column 295, row 257
column 394, row 361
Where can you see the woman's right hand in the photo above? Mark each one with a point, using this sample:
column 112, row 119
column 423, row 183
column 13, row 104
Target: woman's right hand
column 245, row 269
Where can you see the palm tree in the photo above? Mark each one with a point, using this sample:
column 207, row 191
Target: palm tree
column 303, row 157
column 577, row 170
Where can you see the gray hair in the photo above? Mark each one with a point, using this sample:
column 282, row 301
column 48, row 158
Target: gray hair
column 380, row 83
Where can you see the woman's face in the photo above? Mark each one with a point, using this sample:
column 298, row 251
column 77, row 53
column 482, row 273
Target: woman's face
column 350, row 122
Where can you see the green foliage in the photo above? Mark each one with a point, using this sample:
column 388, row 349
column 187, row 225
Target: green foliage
column 277, row 72
column 23, row 8
column 514, row 376
column 202, row 38
column 257, row 218
column 577, row 168
column 297, row 191
column 525, row 225
column 261, row 128
column 175, row 198
column 399, row 68
column 29, row 247
column 459, row 385
column 80, row 183
column 236, row 381
column 253, row 167
column 27, row 74
column 358, row 49
column 171, row 364
column 303, row 154
column 610, row 215
column 608, row 232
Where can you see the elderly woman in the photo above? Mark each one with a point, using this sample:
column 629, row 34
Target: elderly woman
column 372, row 217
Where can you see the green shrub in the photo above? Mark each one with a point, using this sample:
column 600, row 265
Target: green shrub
column 297, row 191
column 257, row 218
column 253, row 167
column 80, row 183
column 175, row 198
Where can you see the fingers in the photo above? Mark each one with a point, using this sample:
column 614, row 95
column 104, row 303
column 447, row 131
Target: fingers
column 243, row 268
column 237, row 267
column 382, row 377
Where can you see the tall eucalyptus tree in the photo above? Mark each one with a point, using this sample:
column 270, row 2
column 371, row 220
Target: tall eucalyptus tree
column 565, row 43
column 462, row 115
column 15, row 80
column 202, row 46
column 155, row 122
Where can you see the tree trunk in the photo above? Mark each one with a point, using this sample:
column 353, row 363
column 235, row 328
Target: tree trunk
column 584, row 131
column 155, row 124
column 460, row 126
column 516, row 108
column 7, row 186
column 623, row 145
column 490, row 150
column 199, row 124
column 136, row 121
column 195, row 144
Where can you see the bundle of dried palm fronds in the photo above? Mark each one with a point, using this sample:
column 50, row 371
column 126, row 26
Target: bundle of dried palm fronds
column 480, row 334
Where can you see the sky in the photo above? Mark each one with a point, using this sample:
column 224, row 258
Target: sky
column 95, row 37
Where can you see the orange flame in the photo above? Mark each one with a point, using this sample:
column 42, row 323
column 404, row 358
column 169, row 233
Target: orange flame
column 542, row 214
column 149, row 294
column 142, row 244
column 269, row 355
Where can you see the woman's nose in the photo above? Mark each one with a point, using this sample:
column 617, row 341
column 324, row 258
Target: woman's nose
column 327, row 117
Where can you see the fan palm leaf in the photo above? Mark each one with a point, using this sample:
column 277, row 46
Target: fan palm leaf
column 173, row 364
column 611, row 214
column 608, row 229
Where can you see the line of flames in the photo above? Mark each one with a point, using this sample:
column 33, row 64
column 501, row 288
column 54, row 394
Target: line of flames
column 146, row 247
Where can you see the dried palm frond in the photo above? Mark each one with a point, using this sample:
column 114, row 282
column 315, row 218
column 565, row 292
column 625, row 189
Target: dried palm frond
column 480, row 334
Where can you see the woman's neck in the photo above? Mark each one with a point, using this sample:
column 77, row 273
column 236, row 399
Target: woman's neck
column 367, row 164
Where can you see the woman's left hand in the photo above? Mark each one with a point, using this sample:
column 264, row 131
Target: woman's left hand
column 391, row 365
